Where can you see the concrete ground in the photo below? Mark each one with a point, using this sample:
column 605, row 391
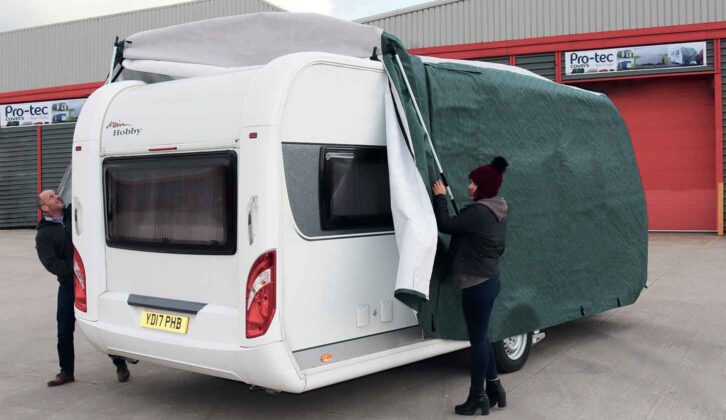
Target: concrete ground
column 661, row 358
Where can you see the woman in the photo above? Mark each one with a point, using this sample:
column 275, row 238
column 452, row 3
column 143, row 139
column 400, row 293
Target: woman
column 477, row 243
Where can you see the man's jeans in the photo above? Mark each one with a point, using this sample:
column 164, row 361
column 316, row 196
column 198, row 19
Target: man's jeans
column 66, row 325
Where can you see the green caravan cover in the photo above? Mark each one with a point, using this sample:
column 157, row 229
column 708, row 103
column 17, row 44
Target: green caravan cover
column 577, row 229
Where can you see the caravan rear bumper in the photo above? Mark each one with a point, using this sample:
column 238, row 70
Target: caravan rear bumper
column 209, row 347
column 269, row 366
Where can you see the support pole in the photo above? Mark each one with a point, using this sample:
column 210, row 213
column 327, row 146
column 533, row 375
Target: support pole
column 113, row 61
column 39, row 162
column 426, row 132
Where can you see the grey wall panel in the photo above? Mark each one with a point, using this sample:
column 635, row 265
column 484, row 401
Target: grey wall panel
column 542, row 64
column 80, row 51
column 455, row 22
column 18, row 177
column 497, row 60
column 57, row 147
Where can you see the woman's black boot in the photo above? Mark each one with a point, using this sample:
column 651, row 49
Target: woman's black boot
column 476, row 401
column 496, row 394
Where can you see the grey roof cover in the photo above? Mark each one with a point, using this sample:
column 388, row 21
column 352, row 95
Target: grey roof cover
column 252, row 39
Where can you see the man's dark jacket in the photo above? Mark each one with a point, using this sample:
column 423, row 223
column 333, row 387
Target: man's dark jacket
column 54, row 244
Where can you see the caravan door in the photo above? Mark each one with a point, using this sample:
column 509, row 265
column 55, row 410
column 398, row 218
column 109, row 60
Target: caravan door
column 338, row 252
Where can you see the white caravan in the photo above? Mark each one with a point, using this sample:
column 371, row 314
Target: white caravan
column 234, row 218
column 238, row 225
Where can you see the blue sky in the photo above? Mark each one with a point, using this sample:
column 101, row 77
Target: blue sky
column 17, row 14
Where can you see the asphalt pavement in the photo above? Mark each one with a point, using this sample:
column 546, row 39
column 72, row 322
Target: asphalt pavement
column 662, row 358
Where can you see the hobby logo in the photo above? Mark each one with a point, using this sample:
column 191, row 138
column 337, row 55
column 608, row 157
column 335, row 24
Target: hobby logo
column 119, row 129
column 115, row 124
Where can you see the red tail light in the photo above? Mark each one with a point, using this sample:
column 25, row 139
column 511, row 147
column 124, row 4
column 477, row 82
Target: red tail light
column 79, row 278
column 261, row 295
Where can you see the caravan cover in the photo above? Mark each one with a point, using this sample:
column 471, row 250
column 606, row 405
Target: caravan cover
column 577, row 228
column 577, row 231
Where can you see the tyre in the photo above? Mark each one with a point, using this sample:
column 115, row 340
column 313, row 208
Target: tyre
column 511, row 353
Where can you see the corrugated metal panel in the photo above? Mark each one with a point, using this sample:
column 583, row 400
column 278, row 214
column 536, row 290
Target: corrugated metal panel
column 56, row 149
column 542, row 64
column 80, row 51
column 497, row 60
column 723, row 96
column 18, row 177
column 449, row 22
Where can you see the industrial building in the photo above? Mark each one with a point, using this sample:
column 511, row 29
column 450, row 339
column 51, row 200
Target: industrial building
column 660, row 61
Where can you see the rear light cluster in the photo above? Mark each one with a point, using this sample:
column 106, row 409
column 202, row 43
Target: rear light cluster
column 261, row 295
column 79, row 278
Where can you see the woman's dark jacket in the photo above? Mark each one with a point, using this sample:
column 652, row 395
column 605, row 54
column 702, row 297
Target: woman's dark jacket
column 54, row 244
column 477, row 239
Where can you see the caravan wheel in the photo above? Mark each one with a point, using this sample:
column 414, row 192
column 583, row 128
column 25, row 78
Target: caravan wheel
column 511, row 353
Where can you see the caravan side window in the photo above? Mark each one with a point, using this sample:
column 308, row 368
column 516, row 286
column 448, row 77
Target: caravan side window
column 354, row 188
column 180, row 203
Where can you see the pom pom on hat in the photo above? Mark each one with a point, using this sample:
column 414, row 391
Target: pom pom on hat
column 500, row 164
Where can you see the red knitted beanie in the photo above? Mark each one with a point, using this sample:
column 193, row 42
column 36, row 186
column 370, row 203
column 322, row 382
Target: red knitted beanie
column 488, row 178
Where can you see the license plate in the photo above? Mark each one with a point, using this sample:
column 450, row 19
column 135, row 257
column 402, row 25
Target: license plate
column 165, row 322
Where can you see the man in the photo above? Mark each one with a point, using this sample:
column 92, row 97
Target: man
column 53, row 242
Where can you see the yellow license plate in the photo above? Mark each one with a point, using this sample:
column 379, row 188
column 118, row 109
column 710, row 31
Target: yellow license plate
column 164, row 322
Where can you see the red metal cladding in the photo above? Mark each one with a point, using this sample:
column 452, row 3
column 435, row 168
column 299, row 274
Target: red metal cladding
column 82, row 90
column 671, row 123
column 587, row 41
column 626, row 76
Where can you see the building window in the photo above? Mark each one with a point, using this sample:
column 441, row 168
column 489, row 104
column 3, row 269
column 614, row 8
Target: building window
column 184, row 203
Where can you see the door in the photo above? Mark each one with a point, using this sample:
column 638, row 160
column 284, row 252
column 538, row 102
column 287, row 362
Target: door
column 671, row 122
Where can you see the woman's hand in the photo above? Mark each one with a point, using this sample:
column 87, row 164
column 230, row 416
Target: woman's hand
column 438, row 188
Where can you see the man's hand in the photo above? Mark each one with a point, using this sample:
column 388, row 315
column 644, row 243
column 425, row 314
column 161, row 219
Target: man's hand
column 438, row 188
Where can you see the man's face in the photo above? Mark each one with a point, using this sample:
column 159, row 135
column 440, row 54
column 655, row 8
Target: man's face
column 52, row 202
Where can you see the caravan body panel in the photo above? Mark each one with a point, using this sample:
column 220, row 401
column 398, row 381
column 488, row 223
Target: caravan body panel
column 337, row 286
column 323, row 283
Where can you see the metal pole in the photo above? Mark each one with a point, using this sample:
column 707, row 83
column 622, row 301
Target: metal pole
column 426, row 133
column 113, row 61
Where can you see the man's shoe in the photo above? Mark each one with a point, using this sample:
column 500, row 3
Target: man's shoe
column 122, row 373
column 61, row 379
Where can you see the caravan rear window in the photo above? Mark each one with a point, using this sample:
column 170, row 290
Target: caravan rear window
column 184, row 203
column 354, row 189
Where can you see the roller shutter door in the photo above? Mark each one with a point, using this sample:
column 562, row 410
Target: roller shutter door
column 18, row 177
column 671, row 121
column 57, row 147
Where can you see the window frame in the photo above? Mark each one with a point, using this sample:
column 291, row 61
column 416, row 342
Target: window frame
column 231, row 187
column 335, row 225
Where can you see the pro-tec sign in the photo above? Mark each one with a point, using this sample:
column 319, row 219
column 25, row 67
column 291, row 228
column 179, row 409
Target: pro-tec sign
column 685, row 56
column 591, row 61
column 33, row 113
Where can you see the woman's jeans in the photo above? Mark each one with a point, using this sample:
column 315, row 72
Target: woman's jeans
column 478, row 302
